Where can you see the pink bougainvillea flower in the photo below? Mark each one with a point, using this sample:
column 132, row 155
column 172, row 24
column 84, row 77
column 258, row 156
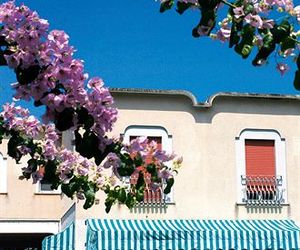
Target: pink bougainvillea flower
column 112, row 160
column 223, row 33
column 254, row 20
column 268, row 24
column 296, row 12
column 238, row 12
column 282, row 68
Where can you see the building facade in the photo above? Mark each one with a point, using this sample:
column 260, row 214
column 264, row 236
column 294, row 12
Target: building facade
column 241, row 161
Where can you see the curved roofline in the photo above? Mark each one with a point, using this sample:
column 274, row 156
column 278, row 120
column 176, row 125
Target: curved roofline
column 156, row 91
column 209, row 102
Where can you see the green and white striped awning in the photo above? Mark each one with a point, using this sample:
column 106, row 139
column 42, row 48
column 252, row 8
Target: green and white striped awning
column 61, row 241
column 192, row 234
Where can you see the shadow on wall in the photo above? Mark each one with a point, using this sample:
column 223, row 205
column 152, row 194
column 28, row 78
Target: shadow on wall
column 150, row 208
column 204, row 112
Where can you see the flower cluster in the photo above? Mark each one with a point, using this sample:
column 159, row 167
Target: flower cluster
column 47, row 72
column 19, row 119
column 272, row 26
column 140, row 166
column 41, row 142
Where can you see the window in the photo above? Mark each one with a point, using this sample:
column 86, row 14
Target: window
column 152, row 195
column 3, row 175
column 66, row 139
column 164, row 141
column 44, row 187
column 261, row 167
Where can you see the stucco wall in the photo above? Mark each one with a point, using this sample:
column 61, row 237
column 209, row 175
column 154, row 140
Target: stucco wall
column 206, row 186
column 22, row 200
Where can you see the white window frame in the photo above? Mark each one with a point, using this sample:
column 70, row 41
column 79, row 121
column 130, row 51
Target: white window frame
column 67, row 141
column 153, row 131
column 3, row 174
column 40, row 191
column 280, row 159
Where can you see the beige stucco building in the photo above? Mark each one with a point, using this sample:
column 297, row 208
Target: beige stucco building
column 213, row 183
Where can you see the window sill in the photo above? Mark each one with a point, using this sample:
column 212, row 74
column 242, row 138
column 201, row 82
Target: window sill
column 141, row 204
column 48, row 193
column 241, row 204
column 3, row 193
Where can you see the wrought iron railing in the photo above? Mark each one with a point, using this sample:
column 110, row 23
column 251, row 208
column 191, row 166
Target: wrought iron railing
column 262, row 190
column 152, row 195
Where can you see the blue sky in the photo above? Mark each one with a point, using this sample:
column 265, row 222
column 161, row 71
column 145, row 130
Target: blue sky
column 129, row 43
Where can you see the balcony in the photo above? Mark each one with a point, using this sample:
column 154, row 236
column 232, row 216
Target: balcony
column 259, row 191
column 153, row 196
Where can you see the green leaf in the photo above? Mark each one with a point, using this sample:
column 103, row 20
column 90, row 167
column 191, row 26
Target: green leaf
column 84, row 118
column 265, row 51
column 2, row 130
column 297, row 80
column 249, row 7
column 25, row 76
column 234, row 37
column 12, row 145
column 109, row 201
column 280, row 32
column 208, row 4
column 206, row 24
column 288, row 43
column 166, row 5
column 64, row 120
column 122, row 195
column 139, row 195
column 130, row 201
column 245, row 47
column 31, row 164
column 126, row 169
column 89, row 198
column 151, row 168
column 87, row 145
column 70, row 188
column 140, row 182
column 170, row 183
column 3, row 41
column 114, row 194
column 182, row 7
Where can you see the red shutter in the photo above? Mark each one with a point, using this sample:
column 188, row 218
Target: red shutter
column 260, row 157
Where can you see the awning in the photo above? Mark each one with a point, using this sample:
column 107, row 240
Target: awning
column 61, row 241
column 192, row 234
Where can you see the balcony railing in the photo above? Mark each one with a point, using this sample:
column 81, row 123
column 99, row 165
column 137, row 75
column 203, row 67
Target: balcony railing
column 262, row 190
column 152, row 196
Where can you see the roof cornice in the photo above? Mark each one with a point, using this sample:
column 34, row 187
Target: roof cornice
column 209, row 101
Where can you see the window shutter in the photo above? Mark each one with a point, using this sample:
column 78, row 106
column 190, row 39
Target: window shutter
column 260, row 158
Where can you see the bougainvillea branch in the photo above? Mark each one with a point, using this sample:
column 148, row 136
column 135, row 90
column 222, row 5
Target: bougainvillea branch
column 48, row 75
column 268, row 27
